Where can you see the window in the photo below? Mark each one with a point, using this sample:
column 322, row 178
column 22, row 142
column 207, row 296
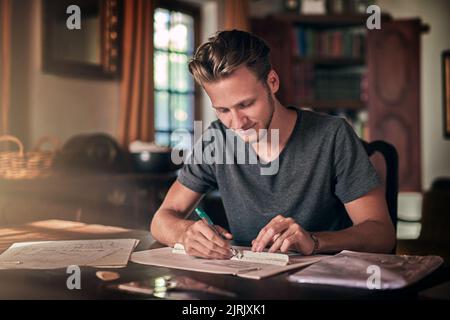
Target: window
column 174, row 43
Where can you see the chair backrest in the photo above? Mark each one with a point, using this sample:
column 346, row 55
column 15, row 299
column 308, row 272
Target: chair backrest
column 390, row 156
column 441, row 183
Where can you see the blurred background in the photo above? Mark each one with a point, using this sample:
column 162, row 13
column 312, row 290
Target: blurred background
column 89, row 102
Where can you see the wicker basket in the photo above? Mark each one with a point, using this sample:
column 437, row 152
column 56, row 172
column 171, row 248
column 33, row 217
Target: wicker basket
column 27, row 165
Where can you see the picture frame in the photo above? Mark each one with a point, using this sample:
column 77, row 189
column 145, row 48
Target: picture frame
column 94, row 51
column 446, row 92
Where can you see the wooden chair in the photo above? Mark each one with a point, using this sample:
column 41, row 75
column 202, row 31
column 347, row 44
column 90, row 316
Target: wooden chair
column 434, row 236
column 390, row 156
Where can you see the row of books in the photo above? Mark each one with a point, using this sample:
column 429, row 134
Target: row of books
column 340, row 43
column 337, row 85
column 310, row 83
column 303, row 81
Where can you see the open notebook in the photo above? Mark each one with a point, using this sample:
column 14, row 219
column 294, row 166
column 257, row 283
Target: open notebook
column 246, row 264
column 368, row 270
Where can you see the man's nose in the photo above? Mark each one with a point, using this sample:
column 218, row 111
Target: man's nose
column 238, row 120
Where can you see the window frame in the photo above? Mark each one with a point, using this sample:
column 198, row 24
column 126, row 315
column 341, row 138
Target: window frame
column 194, row 11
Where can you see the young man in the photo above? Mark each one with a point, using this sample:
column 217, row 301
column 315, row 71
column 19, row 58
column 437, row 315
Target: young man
column 325, row 195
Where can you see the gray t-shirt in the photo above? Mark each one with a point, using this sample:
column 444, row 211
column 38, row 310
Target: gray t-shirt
column 322, row 166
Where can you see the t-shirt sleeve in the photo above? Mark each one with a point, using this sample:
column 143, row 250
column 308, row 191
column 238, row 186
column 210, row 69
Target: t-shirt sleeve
column 354, row 173
column 197, row 174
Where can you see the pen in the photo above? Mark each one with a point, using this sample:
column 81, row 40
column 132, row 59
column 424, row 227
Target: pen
column 202, row 215
column 249, row 270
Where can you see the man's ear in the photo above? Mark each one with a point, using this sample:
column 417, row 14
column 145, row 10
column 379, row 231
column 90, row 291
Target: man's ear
column 273, row 81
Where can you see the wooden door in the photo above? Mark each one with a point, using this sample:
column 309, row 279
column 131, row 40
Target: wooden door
column 393, row 58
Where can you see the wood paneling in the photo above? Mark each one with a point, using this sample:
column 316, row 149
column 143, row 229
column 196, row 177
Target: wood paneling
column 394, row 94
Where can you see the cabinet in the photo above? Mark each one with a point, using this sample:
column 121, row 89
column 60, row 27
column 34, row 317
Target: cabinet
column 334, row 64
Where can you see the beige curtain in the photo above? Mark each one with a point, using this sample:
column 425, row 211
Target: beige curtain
column 5, row 64
column 136, row 88
column 236, row 15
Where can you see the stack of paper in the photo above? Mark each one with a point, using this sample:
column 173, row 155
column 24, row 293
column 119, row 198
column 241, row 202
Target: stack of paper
column 368, row 270
column 60, row 254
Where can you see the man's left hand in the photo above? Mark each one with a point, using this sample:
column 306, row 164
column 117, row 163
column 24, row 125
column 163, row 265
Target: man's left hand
column 284, row 234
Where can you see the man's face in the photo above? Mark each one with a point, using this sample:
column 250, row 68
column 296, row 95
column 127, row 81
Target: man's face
column 243, row 103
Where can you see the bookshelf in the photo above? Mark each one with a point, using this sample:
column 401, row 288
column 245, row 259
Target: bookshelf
column 332, row 63
column 321, row 60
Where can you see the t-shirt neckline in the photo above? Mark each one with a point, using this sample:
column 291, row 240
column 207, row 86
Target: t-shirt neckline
column 288, row 143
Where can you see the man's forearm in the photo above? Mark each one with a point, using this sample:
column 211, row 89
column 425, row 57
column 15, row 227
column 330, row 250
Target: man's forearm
column 167, row 227
column 368, row 236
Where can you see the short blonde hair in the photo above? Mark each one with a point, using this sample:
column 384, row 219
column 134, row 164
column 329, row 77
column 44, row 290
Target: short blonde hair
column 225, row 52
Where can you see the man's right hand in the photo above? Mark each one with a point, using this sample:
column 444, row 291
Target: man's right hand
column 200, row 240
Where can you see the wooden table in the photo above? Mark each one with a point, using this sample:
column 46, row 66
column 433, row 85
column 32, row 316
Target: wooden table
column 51, row 284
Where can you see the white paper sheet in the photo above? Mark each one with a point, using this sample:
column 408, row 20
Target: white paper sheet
column 164, row 257
column 60, row 254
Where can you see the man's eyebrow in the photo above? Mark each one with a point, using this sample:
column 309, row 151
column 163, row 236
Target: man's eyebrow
column 216, row 107
column 239, row 103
